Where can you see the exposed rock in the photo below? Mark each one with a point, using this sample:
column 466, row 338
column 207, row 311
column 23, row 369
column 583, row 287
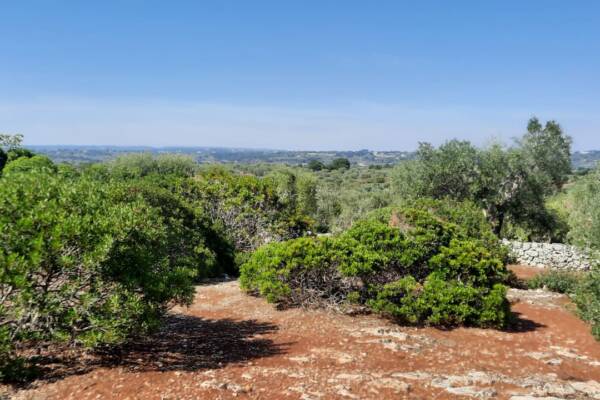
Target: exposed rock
column 472, row 391
column 590, row 388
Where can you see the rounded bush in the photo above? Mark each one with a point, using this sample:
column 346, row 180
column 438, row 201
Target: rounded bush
column 413, row 264
column 24, row 164
column 81, row 262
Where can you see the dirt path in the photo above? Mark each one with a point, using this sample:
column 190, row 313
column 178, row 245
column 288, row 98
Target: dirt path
column 230, row 345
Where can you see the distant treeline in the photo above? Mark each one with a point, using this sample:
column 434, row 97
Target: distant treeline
column 88, row 154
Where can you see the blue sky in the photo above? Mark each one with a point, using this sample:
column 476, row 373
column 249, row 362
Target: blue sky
column 297, row 74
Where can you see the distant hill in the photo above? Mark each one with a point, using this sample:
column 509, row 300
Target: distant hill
column 585, row 159
column 86, row 154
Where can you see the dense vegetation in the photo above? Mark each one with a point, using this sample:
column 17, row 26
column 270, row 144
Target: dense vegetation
column 415, row 264
column 580, row 205
column 510, row 184
column 94, row 254
column 581, row 160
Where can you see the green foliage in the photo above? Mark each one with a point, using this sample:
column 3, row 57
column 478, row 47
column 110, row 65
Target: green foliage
column 584, row 215
column 510, row 184
column 448, row 171
column 466, row 215
column 557, row 281
column 548, row 150
column 139, row 165
column 24, row 164
column 587, row 298
column 164, row 182
column 345, row 196
column 19, row 152
column 83, row 261
column 469, row 262
column 251, row 210
column 408, row 263
column 315, row 165
column 334, row 199
column 339, row 163
column 336, row 163
column 441, row 302
column 192, row 240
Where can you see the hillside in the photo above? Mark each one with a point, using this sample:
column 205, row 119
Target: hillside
column 86, row 154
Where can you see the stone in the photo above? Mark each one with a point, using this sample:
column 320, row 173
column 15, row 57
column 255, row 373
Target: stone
column 472, row 391
column 557, row 389
column 590, row 388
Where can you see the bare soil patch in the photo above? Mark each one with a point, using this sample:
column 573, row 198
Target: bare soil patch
column 526, row 271
column 230, row 345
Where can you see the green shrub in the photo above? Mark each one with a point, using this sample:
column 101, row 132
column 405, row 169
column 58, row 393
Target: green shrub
column 139, row 165
column 249, row 209
column 19, row 152
column 24, row 164
column 81, row 262
column 469, row 262
column 469, row 217
column 584, row 215
column 587, row 299
column 407, row 263
column 192, row 239
column 441, row 302
column 307, row 270
column 164, row 182
column 557, row 281
column 339, row 163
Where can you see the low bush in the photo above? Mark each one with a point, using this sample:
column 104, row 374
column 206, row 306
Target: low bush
column 410, row 263
column 557, row 281
column 439, row 301
column 587, row 298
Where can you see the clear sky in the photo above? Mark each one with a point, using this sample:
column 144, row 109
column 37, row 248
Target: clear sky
column 297, row 74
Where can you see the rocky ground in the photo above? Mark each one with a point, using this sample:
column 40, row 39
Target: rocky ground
column 230, row 345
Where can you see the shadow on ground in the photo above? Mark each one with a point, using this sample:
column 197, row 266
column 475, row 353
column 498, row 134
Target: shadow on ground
column 519, row 324
column 185, row 343
column 516, row 324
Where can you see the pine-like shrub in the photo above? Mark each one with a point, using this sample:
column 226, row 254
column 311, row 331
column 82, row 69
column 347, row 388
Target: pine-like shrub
column 248, row 208
column 84, row 262
column 410, row 263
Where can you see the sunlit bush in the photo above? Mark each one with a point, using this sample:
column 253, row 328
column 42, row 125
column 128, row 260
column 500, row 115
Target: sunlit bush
column 409, row 263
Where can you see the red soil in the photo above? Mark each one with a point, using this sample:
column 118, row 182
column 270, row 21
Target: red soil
column 231, row 345
column 526, row 271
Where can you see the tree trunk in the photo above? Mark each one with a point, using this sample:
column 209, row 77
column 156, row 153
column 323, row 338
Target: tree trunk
column 499, row 223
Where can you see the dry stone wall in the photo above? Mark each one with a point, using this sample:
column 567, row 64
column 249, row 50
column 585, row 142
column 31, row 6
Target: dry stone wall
column 549, row 255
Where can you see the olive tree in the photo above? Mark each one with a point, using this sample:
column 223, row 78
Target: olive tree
column 510, row 184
